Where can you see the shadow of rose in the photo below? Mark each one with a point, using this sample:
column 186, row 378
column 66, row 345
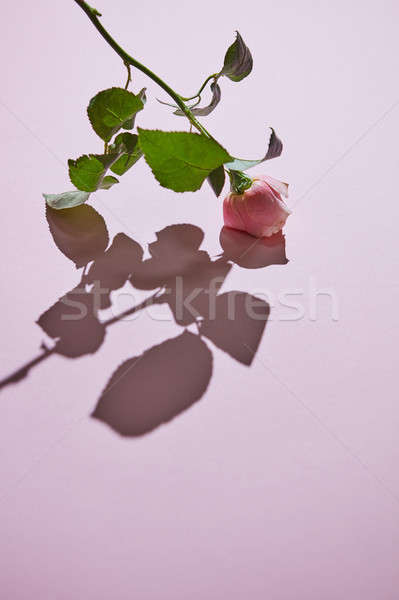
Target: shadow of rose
column 165, row 380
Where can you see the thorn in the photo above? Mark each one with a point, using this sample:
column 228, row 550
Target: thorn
column 94, row 11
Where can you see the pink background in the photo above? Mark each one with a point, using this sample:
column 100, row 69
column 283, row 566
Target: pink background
column 282, row 481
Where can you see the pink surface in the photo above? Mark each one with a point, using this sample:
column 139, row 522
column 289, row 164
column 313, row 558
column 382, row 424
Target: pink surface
column 280, row 481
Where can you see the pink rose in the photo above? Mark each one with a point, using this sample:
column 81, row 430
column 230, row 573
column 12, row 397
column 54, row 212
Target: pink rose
column 260, row 209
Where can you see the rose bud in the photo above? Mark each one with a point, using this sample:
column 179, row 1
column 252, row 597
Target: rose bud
column 255, row 204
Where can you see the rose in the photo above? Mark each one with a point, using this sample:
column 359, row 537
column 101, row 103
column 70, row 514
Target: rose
column 259, row 209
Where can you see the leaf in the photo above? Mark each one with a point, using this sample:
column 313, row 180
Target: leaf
column 237, row 324
column 87, row 172
column 79, row 233
column 127, row 144
column 129, row 124
column 205, row 110
column 126, row 161
column 66, row 199
column 216, row 180
column 274, row 149
column 180, row 160
column 109, row 110
column 108, row 182
column 124, row 142
column 237, row 61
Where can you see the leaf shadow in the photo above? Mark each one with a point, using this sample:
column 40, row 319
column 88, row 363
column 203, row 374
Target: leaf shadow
column 162, row 382
column 151, row 389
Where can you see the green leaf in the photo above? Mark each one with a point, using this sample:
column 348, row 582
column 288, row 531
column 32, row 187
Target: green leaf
column 109, row 110
column 237, row 61
column 274, row 149
column 86, row 172
column 108, row 181
column 216, row 180
column 128, row 145
column 129, row 124
column 124, row 142
column 66, row 199
column 180, row 160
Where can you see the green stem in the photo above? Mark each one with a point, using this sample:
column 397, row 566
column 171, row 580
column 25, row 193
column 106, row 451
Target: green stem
column 213, row 76
column 93, row 15
column 129, row 75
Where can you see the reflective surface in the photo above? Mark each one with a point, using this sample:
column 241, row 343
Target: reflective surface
column 156, row 448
